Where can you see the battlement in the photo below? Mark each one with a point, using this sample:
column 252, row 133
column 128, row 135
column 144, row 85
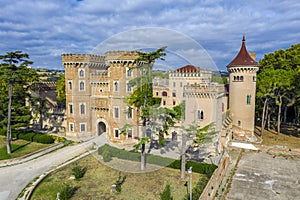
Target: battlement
column 121, row 55
column 72, row 57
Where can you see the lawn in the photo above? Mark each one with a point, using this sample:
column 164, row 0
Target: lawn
column 97, row 181
column 19, row 148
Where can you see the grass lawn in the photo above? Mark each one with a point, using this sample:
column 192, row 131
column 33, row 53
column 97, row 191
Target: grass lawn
column 97, row 181
column 272, row 138
column 19, row 148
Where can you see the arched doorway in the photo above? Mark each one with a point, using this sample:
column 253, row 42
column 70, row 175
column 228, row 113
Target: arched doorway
column 101, row 128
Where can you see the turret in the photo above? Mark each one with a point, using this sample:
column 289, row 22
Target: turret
column 242, row 87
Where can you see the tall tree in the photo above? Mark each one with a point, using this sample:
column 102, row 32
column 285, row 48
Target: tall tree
column 142, row 96
column 278, row 86
column 14, row 69
column 61, row 91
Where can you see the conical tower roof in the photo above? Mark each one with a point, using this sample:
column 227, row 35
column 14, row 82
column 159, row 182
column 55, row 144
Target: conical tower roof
column 243, row 58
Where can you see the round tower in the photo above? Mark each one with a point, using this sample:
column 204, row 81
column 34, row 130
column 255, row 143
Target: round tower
column 242, row 87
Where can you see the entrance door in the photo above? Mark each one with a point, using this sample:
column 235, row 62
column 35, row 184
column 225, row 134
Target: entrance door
column 101, row 128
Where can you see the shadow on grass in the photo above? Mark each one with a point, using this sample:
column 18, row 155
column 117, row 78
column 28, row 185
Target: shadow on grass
column 16, row 147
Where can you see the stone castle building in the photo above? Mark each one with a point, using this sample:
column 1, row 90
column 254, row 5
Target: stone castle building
column 97, row 86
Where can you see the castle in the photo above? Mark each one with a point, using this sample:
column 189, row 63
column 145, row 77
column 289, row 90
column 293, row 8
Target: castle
column 97, row 85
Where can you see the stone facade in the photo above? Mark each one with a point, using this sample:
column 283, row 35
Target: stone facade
column 97, row 86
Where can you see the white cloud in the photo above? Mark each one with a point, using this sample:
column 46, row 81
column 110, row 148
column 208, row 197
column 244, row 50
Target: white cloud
column 46, row 28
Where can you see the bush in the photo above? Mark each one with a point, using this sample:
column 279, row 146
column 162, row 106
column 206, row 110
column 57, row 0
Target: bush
column 28, row 136
column 198, row 188
column 58, row 139
column 3, row 132
column 106, row 156
column 44, row 139
column 66, row 192
column 166, row 194
column 78, row 171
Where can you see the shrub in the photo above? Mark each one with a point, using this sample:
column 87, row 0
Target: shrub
column 78, row 171
column 66, row 192
column 28, row 136
column 198, row 188
column 106, row 156
column 44, row 139
column 3, row 131
column 166, row 194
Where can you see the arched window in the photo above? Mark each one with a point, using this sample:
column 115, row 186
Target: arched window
column 241, row 78
column 82, row 109
column 81, row 85
column 239, row 123
column 81, row 73
column 116, row 86
column 70, row 85
column 164, row 94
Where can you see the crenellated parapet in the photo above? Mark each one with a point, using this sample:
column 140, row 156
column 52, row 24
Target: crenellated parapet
column 72, row 57
column 112, row 56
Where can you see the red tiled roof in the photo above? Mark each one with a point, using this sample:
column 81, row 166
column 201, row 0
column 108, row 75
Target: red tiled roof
column 243, row 58
column 188, row 68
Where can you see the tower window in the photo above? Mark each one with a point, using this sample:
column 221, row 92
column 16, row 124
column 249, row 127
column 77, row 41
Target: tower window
column 82, row 127
column 254, row 78
column 174, row 94
column 70, row 85
column 128, row 87
column 116, row 86
column 82, row 109
column 248, row 100
column 200, row 114
column 239, row 123
column 164, row 102
column 129, row 113
column 71, row 108
column 116, row 133
column 71, row 127
column 128, row 72
column 116, row 112
column 81, row 73
column 81, row 85
column 174, row 84
column 156, row 93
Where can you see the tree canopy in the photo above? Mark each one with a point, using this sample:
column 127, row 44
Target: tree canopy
column 278, row 91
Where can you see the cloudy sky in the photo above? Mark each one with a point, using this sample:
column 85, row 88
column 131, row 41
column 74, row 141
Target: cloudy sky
column 46, row 29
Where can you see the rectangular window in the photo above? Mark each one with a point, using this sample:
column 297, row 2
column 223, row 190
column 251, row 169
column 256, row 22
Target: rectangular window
column 128, row 87
column 70, row 108
column 71, row 127
column 82, row 127
column 180, row 84
column 248, row 101
column 174, row 94
column 174, row 103
column 164, row 102
column 129, row 113
column 200, row 114
column 82, row 108
column 129, row 133
column 174, row 84
column 116, row 112
column 116, row 133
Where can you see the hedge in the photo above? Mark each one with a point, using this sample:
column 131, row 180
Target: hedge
column 32, row 136
column 109, row 151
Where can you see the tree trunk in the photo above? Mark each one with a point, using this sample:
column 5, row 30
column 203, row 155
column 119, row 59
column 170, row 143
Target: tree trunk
column 284, row 114
column 263, row 123
column 143, row 158
column 279, row 115
column 8, row 139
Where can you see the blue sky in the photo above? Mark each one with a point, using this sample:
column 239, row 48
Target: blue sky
column 46, row 29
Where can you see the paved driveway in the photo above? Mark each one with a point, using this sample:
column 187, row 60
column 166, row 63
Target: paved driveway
column 261, row 176
column 14, row 178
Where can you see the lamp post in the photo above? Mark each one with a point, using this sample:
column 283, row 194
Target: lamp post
column 191, row 178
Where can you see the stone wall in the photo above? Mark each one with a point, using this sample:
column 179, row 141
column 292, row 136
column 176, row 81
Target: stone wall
column 213, row 184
